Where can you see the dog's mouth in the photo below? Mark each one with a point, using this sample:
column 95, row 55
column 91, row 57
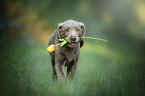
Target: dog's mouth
column 71, row 44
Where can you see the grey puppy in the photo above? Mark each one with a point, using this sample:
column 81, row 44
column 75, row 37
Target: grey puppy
column 67, row 55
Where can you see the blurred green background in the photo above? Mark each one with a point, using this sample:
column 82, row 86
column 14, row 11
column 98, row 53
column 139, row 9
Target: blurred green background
column 116, row 68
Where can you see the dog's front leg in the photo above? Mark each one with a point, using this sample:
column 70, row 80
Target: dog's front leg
column 71, row 70
column 60, row 71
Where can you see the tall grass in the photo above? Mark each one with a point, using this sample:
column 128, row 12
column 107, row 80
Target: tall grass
column 26, row 71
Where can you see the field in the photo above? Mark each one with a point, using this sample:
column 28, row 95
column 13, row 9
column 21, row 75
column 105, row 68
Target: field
column 26, row 71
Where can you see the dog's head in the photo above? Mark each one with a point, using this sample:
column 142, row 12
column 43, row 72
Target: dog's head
column 72, row 31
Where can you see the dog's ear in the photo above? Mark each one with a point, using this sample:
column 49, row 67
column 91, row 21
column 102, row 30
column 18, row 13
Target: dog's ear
column 81, row 43
column 83, row 29
column 60, row 31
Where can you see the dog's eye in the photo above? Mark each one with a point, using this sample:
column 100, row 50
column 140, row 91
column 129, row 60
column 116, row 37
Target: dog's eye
column 77, row 29
column 80, row 34
column 66, row 30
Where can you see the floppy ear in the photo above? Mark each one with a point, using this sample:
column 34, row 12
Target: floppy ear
column 60, row 30
column 83, row 29
column 81, row 43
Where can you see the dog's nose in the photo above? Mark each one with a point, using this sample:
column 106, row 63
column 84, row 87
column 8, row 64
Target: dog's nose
column 73, row 38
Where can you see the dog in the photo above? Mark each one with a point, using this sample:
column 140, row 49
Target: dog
column 68, row 55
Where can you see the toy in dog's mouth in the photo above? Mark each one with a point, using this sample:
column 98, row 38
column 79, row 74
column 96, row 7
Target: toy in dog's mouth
column 52, row 47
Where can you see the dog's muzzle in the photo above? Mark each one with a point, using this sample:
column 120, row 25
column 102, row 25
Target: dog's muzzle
column 72, row 42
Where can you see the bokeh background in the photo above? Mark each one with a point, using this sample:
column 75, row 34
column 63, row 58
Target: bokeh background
column 116, row 68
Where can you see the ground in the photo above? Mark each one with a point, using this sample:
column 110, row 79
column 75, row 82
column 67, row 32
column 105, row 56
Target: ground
column 26, row 71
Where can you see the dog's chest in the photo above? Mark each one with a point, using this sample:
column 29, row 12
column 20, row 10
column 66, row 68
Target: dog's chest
column 71, row 55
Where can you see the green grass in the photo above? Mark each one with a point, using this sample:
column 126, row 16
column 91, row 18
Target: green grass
column 26, row 71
